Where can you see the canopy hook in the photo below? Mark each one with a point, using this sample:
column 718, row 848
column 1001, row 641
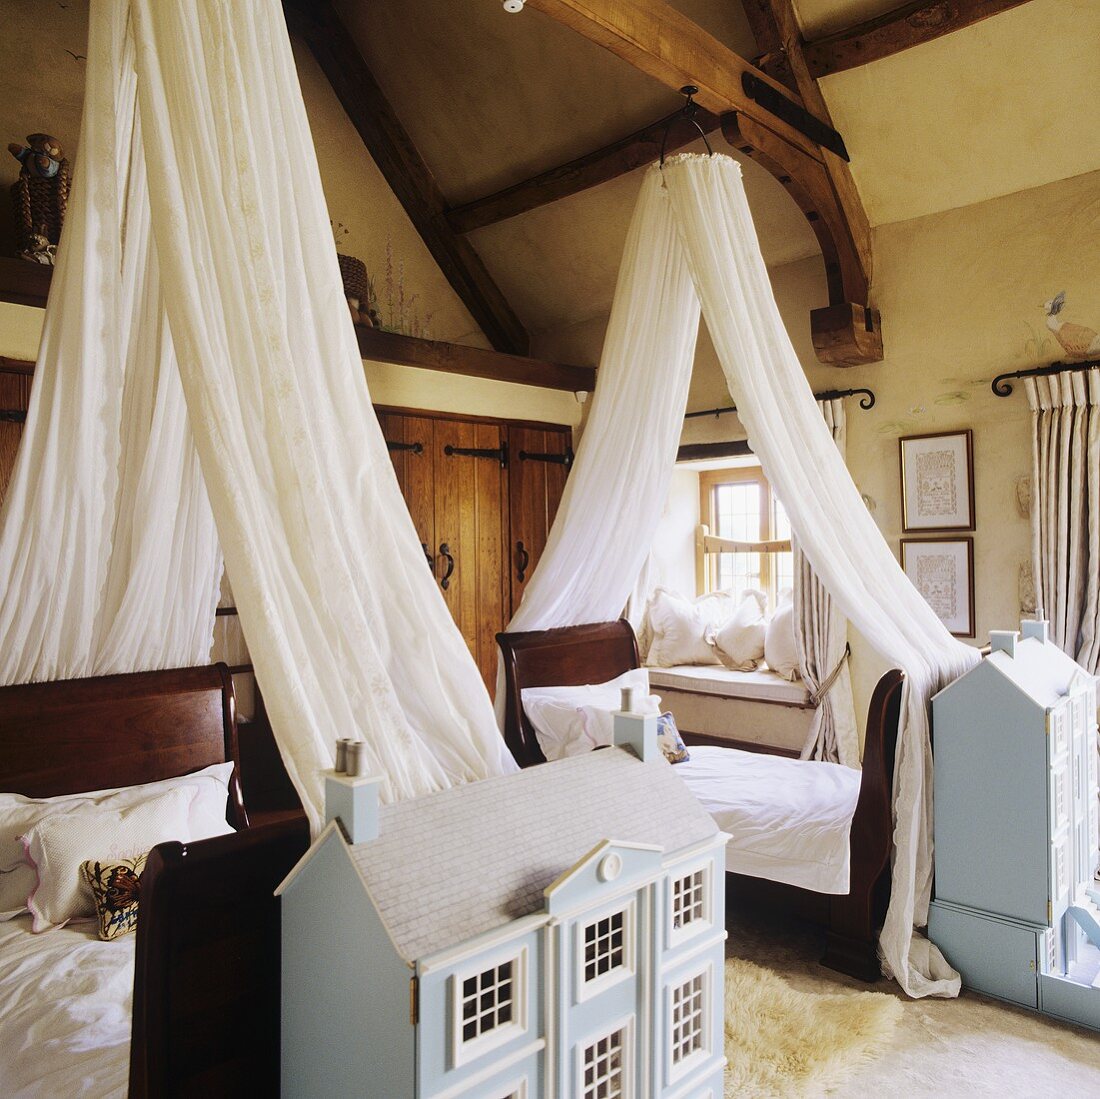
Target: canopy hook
column 689, row 111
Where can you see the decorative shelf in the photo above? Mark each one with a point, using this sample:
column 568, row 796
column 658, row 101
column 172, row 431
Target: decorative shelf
column 23, row 282
column 29, row 284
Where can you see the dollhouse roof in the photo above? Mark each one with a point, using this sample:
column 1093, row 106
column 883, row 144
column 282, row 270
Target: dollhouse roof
column 458, row 863
column 1039, row 670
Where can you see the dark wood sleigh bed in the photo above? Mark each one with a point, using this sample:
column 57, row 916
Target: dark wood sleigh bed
column 575, row 655
column 206, row 972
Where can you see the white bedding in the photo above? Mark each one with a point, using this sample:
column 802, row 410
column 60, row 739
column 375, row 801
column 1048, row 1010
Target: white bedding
column 788, row 818
column 65, row 1006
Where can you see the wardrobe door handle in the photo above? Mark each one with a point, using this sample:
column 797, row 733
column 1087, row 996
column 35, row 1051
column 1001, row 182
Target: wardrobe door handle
column 445, row 551
column 428, row 556
column 523, row 559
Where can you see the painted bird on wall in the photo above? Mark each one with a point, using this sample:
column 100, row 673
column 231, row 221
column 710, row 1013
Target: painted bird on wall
column 1078, row 341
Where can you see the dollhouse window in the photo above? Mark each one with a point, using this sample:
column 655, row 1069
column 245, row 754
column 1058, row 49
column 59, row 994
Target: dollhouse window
column 687, row 1032
column 603, row 949
column 488, row 1000
column 604, row 1067
column 604, row 946
column 489, row 1005
column 689, row 903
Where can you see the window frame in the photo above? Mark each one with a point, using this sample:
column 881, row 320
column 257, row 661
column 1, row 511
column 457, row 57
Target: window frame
column 709, row 481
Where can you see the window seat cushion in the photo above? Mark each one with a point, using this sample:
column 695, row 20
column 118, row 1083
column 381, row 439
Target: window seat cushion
column 761, row 685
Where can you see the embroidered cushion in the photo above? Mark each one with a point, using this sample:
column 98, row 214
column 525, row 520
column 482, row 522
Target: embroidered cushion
column 116, row 889
column 670, row 741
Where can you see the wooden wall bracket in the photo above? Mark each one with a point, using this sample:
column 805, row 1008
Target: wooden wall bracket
column 847, row 332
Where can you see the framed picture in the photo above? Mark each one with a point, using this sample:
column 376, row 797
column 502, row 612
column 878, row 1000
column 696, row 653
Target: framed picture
column 943, row 572
column 937, row 481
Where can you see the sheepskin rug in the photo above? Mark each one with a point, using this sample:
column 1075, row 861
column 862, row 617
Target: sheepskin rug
column 785, row 1043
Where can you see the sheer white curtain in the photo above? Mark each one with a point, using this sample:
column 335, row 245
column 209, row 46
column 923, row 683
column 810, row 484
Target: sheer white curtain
column 821, row 633
column 1065, row 509
column 692, row 216
column 109, row 559
column 241, row 300
column 616, row 490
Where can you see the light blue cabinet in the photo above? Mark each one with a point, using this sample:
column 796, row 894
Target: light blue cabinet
column 1015, row 787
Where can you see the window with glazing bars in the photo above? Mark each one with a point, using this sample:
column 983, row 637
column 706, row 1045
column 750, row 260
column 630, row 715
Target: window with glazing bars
column 488, row 1001
column 604, row 948
column 688, row 1013
column 689, row 899
column 604, row 1071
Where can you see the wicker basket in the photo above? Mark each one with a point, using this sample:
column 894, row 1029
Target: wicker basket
column 39, row 206
column 354, row 273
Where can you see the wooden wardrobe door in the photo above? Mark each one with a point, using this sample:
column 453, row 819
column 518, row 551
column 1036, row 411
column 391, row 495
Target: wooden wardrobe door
column 469, row 527
column 535, row 485
column 419, row 484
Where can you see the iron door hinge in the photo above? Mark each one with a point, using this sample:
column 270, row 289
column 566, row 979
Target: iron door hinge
column 414, row 1001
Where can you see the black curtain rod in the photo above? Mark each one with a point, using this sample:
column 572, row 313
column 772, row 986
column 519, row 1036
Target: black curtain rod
column 867, row 400
column 1002, row 387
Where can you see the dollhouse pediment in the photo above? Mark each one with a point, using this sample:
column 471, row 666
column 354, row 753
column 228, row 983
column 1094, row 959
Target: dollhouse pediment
column 610, row 867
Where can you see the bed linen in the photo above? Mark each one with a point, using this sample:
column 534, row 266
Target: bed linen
column 65, row 1008
column 788, row 818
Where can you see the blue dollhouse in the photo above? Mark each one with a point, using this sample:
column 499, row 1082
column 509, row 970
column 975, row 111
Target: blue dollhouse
column 556, row 932
column 1017, row 907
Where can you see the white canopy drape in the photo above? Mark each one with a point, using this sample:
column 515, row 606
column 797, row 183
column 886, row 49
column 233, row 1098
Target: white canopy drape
column 692, row 240
column 198, row 249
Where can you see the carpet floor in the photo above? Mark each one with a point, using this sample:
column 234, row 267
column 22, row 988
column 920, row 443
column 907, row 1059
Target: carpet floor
column 972, row 1046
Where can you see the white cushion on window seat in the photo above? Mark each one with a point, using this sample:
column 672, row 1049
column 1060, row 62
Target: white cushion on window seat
column 762, row 684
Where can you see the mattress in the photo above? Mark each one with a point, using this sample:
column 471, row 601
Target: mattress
column 712, row 679
column 65, row 1007
column 788, row 819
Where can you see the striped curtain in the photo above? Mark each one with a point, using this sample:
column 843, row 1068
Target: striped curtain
column 1065, row 509
column 821, row 632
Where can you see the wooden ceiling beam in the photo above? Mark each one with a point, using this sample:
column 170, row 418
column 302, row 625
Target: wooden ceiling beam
column 848, row 332
column 410, row 179
column 897, row 30
column 614, row 160
column 664, row 43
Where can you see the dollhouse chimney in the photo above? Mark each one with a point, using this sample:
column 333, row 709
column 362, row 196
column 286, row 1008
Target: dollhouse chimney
column 637, row 732
column 1003, row 641
column 353, row 801
column 1036, row 628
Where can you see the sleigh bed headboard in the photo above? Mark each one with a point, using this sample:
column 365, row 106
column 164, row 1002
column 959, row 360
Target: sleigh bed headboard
column 565, row 657
column 70, row 736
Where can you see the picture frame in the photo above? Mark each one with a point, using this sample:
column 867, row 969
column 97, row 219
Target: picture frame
column 937, row 481
column 942, row 570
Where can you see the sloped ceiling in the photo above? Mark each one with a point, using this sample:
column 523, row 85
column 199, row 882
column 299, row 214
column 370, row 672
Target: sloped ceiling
column 491, row 99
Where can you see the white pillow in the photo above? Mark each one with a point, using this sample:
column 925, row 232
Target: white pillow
column 780, row 648
column 739, row 642
column 19, row 814
column 680, row 627
column 557, row 713
column 57, row 845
